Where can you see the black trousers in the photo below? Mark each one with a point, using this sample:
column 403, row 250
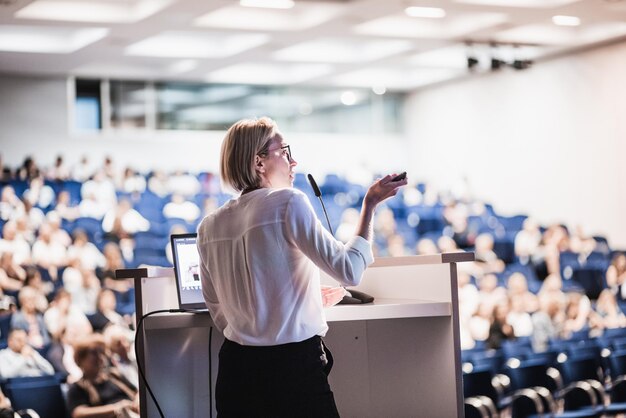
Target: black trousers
column 283, row 381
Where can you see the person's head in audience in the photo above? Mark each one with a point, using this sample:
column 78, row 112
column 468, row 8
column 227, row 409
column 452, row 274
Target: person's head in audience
column 62, row 301
column 17, row 340
column 551, row 305
column 113, row 256
column 33, row 278
column 488, row 283
column 552, row 284
column 80, row 237
column 446, row 244
column 385, row 223
column 106, row 301
column 45, row 233
column 117, row 341
column 28, row 299
column 9, row 231
column 89, row 356
column 517, row 284
column 500, row 311
column 64, row 198
column 426, row 246
column 607, row 303
column 8, row 195
column 395, row 246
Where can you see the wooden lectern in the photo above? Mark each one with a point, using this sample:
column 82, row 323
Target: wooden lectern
column 396, row 357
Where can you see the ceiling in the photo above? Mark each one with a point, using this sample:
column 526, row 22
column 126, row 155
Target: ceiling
column 351, row 43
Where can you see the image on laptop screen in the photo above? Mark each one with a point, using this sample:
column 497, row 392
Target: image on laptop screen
column 187, row 271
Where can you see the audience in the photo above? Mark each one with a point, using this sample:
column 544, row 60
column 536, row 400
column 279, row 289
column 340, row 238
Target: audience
column 101, row 391
column 40, row 262
column 19, row 359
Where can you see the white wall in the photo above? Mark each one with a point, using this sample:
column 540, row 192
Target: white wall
column 34, row 115
column 549, row 141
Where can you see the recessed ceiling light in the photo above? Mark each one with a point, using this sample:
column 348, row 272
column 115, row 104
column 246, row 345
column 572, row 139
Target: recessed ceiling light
column 566, row 20
column 429, row 12
column 268, row 4
column 45, row 39
column 379, row 90
column 348, row 98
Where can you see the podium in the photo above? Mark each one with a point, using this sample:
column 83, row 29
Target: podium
column 397, row 357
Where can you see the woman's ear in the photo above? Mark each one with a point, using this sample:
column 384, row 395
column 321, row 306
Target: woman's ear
column 259, row 165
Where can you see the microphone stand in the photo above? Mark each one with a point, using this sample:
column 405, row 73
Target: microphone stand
column 354, row 297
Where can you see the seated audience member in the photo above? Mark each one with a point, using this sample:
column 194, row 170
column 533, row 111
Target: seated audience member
column 42, row 289
column 480, row 322
column 12, row 275
column 395, row 246
column 183, row 183
column 500, row 330
column 486, row 259
column 384, row 224
column 86, row 252
column 62, row 314
column 11, row 207
column 83, row 285
column 49, row 254
column 616, row 275
column 519, row 318
column 113, row 261
column 28, row 170
column 527, row 241
column 123, row 221
column 426, row 246
column 61, row 353
column 90, row 207
column 180, row 208
column 59, row 171
column 64, row 207
column 29, row 319
column 20, row 360
column 58, row 234
column 547, row 322
column 347, row 225
column 580, row 242
column 157, row 183
column 489, row 293
column 455, row 215
column 468, row 296
column 577, row 313
column 132, row 182
column 176, row 230
column 5, row 407
column 101, row 392
column 30, row 221
column 15, row 244
column 447, row 245
column 7, row 305
column 517, row 286
column 101, row 190
column 607, row 313
column 120, row 353
column 106, row 314
column 552, row 286
column 39, row 194
column 82, row 171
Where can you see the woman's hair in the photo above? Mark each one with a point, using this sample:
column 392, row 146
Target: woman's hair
column 244, row 140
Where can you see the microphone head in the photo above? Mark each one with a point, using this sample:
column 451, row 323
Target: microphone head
column 316, row 189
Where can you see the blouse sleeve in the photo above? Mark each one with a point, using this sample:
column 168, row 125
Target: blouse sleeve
column 344, row 262
column 208, row 291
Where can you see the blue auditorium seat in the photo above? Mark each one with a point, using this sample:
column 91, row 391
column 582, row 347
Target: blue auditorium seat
column 43, row 395
column 73, row 188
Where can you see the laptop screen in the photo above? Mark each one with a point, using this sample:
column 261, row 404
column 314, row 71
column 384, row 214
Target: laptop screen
column 187, row 271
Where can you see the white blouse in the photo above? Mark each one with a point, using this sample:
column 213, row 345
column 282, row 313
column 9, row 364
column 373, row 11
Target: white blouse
column 259, row 259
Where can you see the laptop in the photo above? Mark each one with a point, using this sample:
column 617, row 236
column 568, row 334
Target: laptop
column 187, row 271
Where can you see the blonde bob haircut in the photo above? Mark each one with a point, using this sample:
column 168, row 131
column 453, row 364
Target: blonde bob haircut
column 243, row 142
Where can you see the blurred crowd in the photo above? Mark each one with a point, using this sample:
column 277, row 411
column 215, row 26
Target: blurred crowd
column 66, row 229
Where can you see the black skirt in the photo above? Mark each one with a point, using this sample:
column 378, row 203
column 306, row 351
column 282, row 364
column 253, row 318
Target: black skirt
column 283, row 381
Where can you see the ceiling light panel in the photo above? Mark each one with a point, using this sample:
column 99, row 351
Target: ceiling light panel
column 566, row 20
column 400, row 25
column 342, row 50
column 541, row 4
column 53, row 40
column 395, row 79
column 195, row 44
column 549, row 34
column 427, row 12
column 92, row 11
column 264, row 73
column 302, row 16
column 268, row 4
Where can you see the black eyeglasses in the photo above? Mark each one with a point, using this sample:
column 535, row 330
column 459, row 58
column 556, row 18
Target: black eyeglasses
column 286, row 149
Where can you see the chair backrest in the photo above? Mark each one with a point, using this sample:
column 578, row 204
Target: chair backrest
column 44, row 397
column 478, row 382
column 582, row 368
column 526, row 376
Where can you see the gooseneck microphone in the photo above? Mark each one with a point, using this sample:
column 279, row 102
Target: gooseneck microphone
column 354, row 297
column 318, row 193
